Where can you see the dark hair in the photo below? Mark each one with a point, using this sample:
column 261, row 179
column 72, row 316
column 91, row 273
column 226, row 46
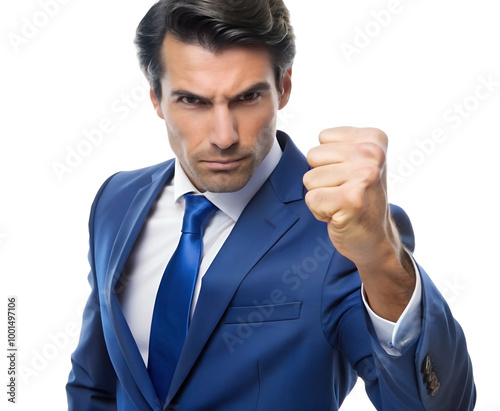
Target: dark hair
column 215, row 25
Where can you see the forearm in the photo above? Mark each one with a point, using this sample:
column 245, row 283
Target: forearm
column 394, row 337
column 388, row 276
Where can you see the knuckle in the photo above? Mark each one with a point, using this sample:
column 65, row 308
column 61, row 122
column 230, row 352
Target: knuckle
column 375, row 132
column 367, row 148
column 355, row 199
column 313, row 156
column 306, row 179
column 378, row 136
column 310, row 157
column 371, row 174
column 311, row 198
column 312, row 202
column 334, row 133
column 307, row 198
column 372, row 151
column 326, row 135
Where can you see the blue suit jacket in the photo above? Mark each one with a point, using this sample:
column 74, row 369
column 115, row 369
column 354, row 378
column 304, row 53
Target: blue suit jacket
column 279, row 324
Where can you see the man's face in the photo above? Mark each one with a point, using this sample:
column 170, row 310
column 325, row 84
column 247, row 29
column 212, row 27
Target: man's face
column 220, row 111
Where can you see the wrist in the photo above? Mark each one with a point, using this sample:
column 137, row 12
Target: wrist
column 388, row 277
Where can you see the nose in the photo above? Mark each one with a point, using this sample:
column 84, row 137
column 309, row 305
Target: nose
column 224, row 127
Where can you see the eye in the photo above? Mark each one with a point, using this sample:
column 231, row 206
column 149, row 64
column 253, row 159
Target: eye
column 250, row 96
column 190, row 100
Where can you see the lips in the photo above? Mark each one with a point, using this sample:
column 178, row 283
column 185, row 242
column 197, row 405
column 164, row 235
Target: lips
column 223, row 164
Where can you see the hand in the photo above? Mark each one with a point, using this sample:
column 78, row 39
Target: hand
column 348, row 190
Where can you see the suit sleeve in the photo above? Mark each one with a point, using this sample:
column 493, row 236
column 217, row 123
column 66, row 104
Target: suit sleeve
column 92, row 381
column 433, row 373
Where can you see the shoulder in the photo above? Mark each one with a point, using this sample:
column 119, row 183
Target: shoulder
column 132, row 180
column 119, row 190
column 125, row 180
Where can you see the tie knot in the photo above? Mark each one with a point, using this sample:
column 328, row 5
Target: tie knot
column 196, row 213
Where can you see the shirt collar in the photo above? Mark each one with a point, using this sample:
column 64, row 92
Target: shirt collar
column 233, row 203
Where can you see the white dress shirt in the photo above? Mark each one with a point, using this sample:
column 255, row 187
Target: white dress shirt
column 160, row 235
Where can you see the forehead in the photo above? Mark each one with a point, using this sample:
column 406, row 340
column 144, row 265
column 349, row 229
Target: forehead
column 192, row 67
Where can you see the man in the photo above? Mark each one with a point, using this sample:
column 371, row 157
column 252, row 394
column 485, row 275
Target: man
column 306, row 279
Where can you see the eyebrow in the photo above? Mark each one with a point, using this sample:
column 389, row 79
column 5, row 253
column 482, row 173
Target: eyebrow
column 262, row 86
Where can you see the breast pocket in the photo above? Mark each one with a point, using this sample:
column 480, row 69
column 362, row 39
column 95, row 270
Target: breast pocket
column 263, row 313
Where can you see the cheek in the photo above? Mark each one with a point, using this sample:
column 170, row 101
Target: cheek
column 183, row 133
column 259, row 126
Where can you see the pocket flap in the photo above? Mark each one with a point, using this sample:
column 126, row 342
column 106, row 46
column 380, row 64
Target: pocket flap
column 263, row 313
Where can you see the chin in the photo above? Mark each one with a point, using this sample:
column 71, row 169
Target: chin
column 217, row 188
column 225, row 184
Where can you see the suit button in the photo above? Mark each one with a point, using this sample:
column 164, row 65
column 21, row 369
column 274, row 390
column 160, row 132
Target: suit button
column 430, row 377
column 427, row 365
column 434, row 391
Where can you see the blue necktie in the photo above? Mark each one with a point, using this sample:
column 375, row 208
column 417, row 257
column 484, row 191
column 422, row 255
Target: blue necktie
column 173, row 299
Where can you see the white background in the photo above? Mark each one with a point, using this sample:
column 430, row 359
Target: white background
column 415, row 70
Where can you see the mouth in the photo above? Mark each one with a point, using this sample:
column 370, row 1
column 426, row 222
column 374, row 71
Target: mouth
column 223, row 164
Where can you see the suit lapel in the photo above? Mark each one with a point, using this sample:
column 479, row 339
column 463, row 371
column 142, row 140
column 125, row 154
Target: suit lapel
column 126, row 358
column 264, row 221
column 132, row 224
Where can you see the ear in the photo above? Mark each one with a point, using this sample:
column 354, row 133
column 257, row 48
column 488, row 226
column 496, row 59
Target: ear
column 156, row 103
column 286, row 86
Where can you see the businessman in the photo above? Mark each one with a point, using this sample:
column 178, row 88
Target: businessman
column 241, row 275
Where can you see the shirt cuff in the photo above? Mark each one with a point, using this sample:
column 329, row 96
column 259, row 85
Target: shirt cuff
column 395, row 337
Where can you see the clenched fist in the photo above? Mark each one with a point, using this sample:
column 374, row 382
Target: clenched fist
column 347, row 189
